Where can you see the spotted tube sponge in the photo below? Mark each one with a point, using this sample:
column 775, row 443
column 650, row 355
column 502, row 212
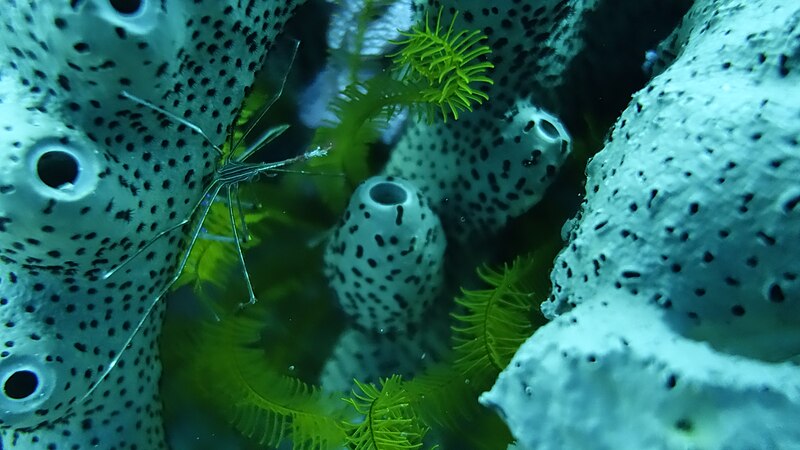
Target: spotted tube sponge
column 495, row 163
column 58, row 331
column 89, row 177
column 385, row 259
column 385, row 264
column 490, row 167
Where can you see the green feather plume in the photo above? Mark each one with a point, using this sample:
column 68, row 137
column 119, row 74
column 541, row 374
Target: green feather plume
column 496, row 321
column 262, row 404
column 214, row 257
column 390, row 422
column 487, row 331
column 362, row 109
column 445, row 65
column 444, row 397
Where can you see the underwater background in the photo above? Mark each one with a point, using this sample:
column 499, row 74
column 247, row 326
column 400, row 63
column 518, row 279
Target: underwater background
column 383, row 224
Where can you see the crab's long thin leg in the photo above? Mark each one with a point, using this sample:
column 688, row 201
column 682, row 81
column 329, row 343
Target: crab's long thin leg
column 196, row 231
column 238, row 244
column 272, row 101
column 174, row 118
column 231, row 149
column 245, row 205
column 245, row 232
column 265, row 139
column 205, row 235
column 161, row 233
column 306, row 172
column 261, row 168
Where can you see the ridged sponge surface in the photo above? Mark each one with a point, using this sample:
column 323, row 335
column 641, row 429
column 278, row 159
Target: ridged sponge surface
column 694, row 202
column 676, row 301
column 614, row 376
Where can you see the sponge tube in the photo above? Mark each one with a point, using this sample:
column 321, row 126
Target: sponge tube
column 385, row 259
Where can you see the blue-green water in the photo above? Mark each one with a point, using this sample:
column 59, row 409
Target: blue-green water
column 380, row 224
